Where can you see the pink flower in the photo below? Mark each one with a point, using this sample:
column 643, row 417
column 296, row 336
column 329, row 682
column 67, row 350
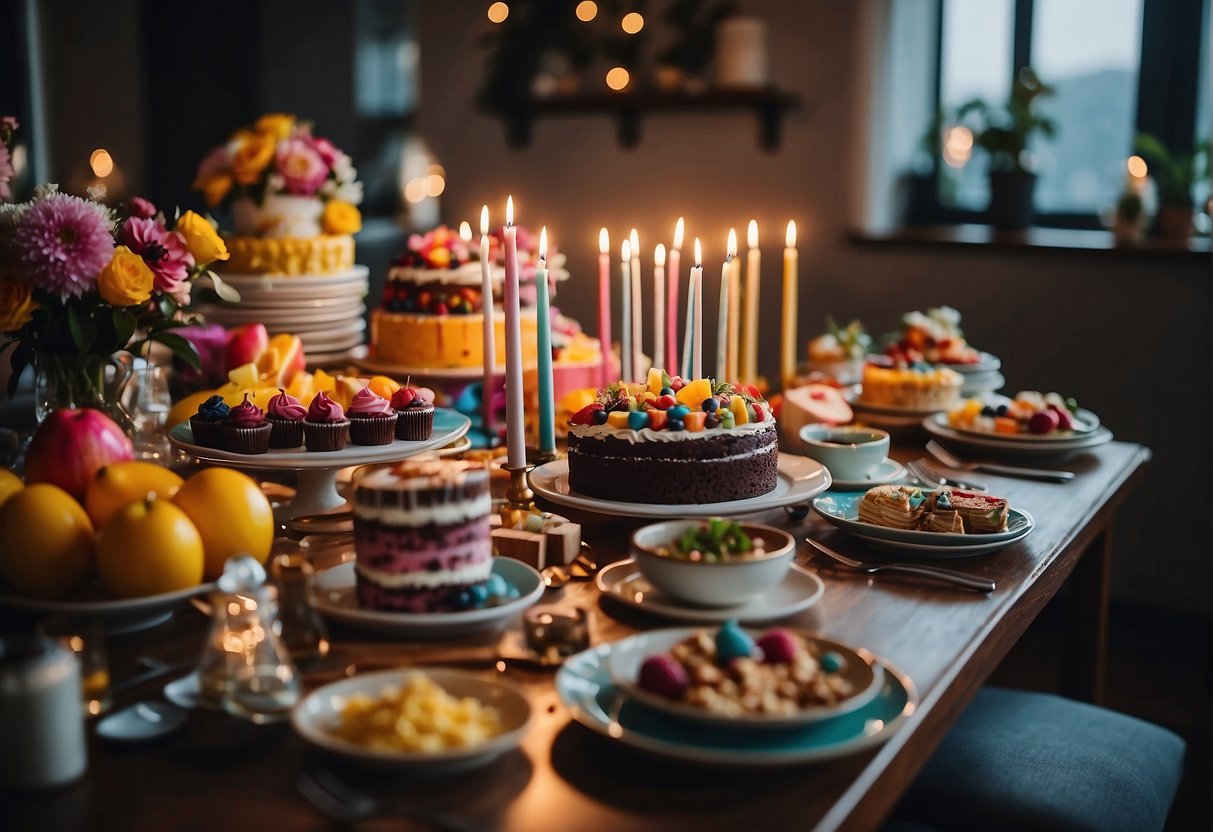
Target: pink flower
column 214, row 162
column 137, row 206
column 164, row 252
column 6, row 173
column 62, row 243
column 324, row 148
column 8, row 124
column 302, row 168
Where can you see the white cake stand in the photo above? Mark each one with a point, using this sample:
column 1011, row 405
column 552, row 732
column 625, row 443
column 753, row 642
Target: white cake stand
column 316, row 492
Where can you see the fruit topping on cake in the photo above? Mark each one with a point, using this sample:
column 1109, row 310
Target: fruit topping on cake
column 934, row 337
column 1029, row 413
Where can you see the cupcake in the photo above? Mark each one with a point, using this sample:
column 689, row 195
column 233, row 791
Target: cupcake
column 372, row 419
column 246, row 431
column 207, row 423
column 325, row 427
column 415, row 414
column 285, row 415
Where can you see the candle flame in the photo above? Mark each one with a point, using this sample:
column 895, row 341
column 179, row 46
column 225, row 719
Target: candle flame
column 509, row 210
column 543, row 243
column 698, row 254
column 678, row 230
column 751, row 234
column 1137, row 167
column 604, row 241
column 659, row 255
column 465, row 231
column 732, row 246
column 626, row 251
column 484, row 221
column 791, row 238
column 635, row 238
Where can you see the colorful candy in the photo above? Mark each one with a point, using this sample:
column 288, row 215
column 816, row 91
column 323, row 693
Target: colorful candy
column 732, row 642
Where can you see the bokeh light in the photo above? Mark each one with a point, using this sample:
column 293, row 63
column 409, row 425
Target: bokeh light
column 101, row 162
column 498, row 12
column 632, row 22
column 587, row 10
column 618, row 78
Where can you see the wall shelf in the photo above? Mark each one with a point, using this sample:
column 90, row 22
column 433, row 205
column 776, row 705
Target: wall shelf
column 628, row 108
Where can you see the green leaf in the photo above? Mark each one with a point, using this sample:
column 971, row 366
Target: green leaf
column 82, row 326
column 181, row 348
column 223, row 290
column 124, row 327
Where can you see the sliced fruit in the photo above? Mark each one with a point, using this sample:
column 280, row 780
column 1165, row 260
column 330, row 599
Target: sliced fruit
column 289, row 351
column 245, row 345
column 693, row 394
column 246, row 375
column 118, row 485
column 46, row 541
column 323, row 381
column 148, row 548
column 302, row 387
column 741, row 415
column 656, row 380
column 383, row 386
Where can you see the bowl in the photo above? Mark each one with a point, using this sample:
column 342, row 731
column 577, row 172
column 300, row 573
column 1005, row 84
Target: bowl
column 850, row 453
column 718, row 584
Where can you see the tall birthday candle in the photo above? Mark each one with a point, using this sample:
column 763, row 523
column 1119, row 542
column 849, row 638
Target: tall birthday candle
column 696, row 289
column 543, row 344
column 637, row 371
column 490, row 324
column 734, row 322
column 659, row 306
column 726, row 317
column 749, row 322
column 515, row 432
column 671, row 308
column 604, row 304
column 626, row 362
column 787, row 361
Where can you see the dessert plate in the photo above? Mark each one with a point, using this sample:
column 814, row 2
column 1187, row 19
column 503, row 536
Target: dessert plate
column 800, row 479
column 799, row 590
column 986, row 364
column 373, row 365
column 331, row 592
column 627, row 655
column 977, row 383
column 94, row 602
column 887, row 472
column 1034, row 447
column 320, row 711
column 1085, row 423
column 842, row 511
column 276, row 283
column 586, row 688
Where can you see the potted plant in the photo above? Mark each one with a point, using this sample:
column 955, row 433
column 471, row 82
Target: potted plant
column 1005, row 133
column 683, row 63
column 1174, row 174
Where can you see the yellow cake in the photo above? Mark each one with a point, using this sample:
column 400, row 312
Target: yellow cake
column 443, row 341
column 917, row 387
column 324, row 254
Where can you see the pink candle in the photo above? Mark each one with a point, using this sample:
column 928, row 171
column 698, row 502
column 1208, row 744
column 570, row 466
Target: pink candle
column 604, row 304
column 671, row 307
column 488, row 310
column 697, row 321
column 515, row 432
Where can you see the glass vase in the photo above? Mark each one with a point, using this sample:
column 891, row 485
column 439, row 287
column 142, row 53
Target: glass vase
column 95, row 381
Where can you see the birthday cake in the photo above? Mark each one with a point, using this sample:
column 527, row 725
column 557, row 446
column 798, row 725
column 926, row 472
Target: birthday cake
column 915, row 387
column 421, row 536
column 934, row 337
column 671, row 441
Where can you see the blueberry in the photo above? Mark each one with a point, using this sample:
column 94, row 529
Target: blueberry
column 600, row 417
column 463, row 600
column 666, row 391
column 988, row 411
column 710, row 404
column 831, row 662
column 1002, row 410
column 711, row 420
column 674, row 424
column 480, row 594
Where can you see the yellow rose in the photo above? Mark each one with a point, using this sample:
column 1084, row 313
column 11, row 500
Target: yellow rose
column 127, row 280
column 201, row 238
column 215, row 188
column 16, row 303
column 278, row 125
column 254, row 151
column 341, row 218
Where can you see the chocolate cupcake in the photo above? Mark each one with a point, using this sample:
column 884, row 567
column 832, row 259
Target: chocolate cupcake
column 414, row 414
column 246, row 431
column 207, row 423
column 325, row 427
column 285, row 415
column 372, row 419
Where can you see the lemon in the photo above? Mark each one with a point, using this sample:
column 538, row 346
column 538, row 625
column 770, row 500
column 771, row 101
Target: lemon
column 148, row 548
column 231, row 513
column 46, row 541
column 122, row 483
column 10, row 484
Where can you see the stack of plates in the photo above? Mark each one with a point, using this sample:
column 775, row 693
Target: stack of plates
column 982, row 377
column 327, row 312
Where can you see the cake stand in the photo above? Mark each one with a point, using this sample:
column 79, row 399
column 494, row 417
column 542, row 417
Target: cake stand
column 316, row 492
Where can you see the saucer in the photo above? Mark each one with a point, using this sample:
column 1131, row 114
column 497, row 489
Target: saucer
column 889, row 471
column 798, row 591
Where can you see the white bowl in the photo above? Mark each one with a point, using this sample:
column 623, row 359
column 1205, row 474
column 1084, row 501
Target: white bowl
column 720, row 584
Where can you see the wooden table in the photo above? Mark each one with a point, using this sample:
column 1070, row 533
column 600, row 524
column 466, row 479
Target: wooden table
column 220, row 773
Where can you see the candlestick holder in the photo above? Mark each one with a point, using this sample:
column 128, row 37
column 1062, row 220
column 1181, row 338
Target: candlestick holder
column 518, row 496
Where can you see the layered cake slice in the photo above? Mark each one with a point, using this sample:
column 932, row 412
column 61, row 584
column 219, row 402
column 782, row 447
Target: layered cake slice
column 421, row 536
column 895, row 506
column 980, row 513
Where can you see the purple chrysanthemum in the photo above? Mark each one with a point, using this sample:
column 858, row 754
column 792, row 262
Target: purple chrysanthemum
column 63, row 242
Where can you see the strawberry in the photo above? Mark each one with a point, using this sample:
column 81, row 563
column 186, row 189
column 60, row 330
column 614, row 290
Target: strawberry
column 585, row 416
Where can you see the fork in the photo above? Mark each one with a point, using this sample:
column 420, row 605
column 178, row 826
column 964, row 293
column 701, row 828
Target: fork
column 342, row 803
column 947, row 458
column 927, row 475
column 959, row 579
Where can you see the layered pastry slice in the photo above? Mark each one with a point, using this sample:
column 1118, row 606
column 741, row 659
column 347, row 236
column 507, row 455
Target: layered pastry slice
column 895, row 506
column 980, row 513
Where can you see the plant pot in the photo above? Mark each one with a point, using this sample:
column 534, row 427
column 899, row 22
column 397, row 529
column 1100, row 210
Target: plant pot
column 1011, row 199
column 1174, row 223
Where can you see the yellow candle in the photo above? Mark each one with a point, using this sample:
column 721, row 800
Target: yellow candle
column 787, row 364
column 749, row 324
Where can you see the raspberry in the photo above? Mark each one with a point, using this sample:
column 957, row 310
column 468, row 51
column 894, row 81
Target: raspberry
column 778, row 646
column 664, row 676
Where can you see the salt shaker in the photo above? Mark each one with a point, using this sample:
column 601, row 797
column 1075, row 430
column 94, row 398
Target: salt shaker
column 41, row 722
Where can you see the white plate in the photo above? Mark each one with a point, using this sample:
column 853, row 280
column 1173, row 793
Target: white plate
column 800, row 479
column 887, row 472
column 268, row 282
column 987, row 364
column 102, row 608
column 897, row 412
column 320, row 711
column 1055, row 449
column 979, row 383
column 287, row 315
column 332, row 594
column 628, row 655
column 448, row 426
column 1085, row 423
column 799, row 590
column 328, row 357
column 271, row 303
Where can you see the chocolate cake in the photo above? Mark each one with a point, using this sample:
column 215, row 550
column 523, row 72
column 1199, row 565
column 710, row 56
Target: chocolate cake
column 421, row 536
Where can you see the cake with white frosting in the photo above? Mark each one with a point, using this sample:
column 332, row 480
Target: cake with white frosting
column 421, row 536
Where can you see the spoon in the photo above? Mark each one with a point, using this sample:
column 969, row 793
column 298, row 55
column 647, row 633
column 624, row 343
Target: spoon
column 141, row 722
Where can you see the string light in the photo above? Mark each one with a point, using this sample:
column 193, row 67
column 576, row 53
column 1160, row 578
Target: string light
column 632, row 22
column 587, row 10
column 618, row 78
column 498, row 12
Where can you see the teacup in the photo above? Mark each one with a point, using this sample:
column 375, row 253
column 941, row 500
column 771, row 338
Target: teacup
column 849, row 453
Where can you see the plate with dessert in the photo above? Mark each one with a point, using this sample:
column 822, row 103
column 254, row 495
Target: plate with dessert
column 943, row 522
column 737, row 702
column 935, row 337
column 1029, row 417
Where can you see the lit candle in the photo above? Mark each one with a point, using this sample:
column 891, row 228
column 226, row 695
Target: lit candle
column 726, row 311
column 671, row 337
column 515, row 430
column 490, row 324
column 734, row 309
column 543, row 343
column 625, row 354
column 1136, row 183
column 465, row 232
column 749, row 323
column 635, row 369
column 695, row 289
column 787, row 363
column 604, row 304
column 659, row 306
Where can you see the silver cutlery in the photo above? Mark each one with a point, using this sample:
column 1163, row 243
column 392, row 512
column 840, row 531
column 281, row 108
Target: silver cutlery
column 947, row 458
column 343, row 803
column 152, row 668
column 927, row 475
column 950, row 576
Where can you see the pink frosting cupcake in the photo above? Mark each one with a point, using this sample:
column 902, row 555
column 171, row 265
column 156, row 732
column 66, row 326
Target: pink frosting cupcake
column 372, row 419
column 415, row 414
column 246, row 431
column 285, row 415
column 325, row 427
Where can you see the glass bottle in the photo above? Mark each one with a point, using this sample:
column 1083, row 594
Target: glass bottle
column 303, row 632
